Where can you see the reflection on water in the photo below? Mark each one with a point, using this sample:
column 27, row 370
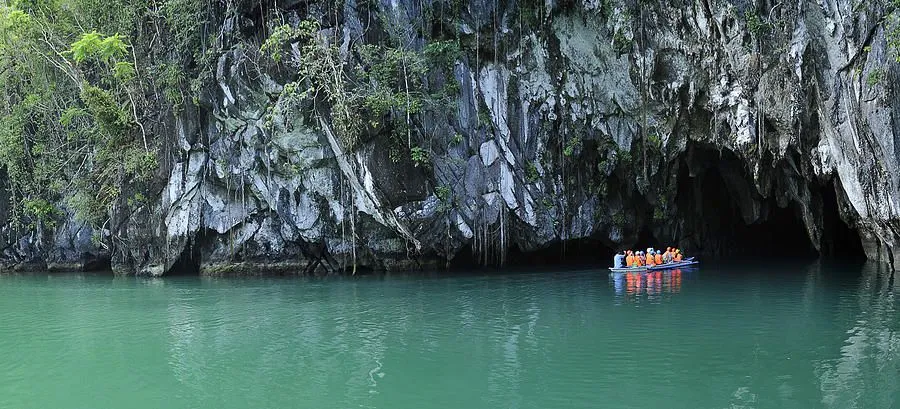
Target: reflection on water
column 630, row 286
column 870, row 353
column 754, row 337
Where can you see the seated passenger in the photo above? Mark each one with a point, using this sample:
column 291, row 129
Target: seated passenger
column 619, row 260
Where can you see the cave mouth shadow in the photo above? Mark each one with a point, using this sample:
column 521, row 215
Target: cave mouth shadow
column 188, row 263
column 569, row 255
column 839, row 240
column 714, row 225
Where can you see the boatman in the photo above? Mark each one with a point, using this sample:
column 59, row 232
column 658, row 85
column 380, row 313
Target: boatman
column 619, row 260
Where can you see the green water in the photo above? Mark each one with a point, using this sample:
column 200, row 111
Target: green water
column 775, row 337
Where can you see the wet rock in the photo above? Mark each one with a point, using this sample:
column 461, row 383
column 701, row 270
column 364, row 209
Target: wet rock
column 584, row 126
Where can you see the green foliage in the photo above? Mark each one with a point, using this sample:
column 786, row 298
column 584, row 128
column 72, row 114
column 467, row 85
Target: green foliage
column 140, row 164
column 124, row 71
column 390, row 67
column 606, row 8
column 659, row 214
column 80, row 105
column 96, row 46
column 572, row 146
column 14, row 23
column 875, row 77
column 113, row 120
column 442, row 53
column 456, row 140
column 185, row 19
column 547, row 203
column 755, row 25
column 138, row 199
column 654, row 140
column 624, row 156
column 321, row 70
column 621, row 43
column 71, row 118
column 484, row 115
column 419, row 157
column 12, row 144
column 282, row 35
column 443, row 194
column 172, row 80
column 531, row 172
column 70, row 115
column 381, row 85
column 892, row 33
column 618, row 219
column 90, row 208
column 40, row 210
column 451, row 87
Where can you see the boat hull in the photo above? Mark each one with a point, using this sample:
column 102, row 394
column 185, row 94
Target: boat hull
column 669, row 266
column 628, row 269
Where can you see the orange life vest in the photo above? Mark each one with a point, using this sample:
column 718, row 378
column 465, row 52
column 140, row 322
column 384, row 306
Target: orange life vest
column 659, row 259
column 629, row 261
column 677, row 257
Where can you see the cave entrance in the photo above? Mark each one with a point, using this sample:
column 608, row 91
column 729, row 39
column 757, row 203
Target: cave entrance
column 839, row 241
column 188, row 263
column 569, row 253
column 97, row 262
column 710, row 208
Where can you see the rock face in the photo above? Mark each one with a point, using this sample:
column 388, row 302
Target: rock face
column 696, row 122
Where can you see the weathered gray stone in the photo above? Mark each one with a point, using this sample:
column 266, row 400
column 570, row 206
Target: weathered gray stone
column 583, row 127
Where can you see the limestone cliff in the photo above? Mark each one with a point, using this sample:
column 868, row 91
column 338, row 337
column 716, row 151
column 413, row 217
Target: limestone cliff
column 619, row 121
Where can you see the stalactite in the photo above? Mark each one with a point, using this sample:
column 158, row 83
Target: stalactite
column 343, row 199
column 501, row 250
column 643, row 95
column 353, row 234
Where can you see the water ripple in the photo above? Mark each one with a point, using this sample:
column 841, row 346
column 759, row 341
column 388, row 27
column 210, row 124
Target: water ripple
column 724, row 339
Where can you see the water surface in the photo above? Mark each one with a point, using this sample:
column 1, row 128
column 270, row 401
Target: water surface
column 780, row 336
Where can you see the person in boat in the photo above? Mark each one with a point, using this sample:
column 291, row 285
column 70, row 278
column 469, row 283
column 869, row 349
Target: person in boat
column 668, row 257
column 651, row 259
column 629, row 259
column 658, row 258
column 619, row 260
column 678, row 256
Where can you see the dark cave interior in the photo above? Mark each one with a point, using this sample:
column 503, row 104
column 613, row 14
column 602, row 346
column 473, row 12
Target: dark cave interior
column 710, row 224
column 188, row 263
column 711, row 211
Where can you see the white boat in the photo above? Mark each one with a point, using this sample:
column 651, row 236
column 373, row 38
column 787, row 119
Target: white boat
column 628, row 269
column 659, row 267
column 677, row 264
